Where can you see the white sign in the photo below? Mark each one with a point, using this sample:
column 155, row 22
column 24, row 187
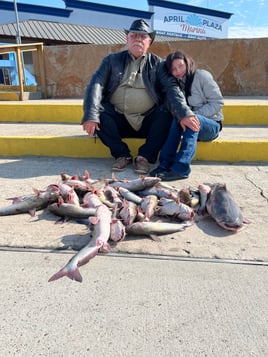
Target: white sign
column 177, row 23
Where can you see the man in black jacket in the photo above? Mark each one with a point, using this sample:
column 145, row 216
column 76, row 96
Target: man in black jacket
column 126, row 99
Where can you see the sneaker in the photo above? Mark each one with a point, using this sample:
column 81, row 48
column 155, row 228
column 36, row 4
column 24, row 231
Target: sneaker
column 121, row 163
column 172, row 176
column 158, row 170
column 141, row 165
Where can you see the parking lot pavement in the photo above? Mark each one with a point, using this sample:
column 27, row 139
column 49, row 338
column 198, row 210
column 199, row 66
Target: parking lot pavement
column 132, row 307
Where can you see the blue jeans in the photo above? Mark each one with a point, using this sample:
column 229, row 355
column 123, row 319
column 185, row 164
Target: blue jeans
column 179, row 160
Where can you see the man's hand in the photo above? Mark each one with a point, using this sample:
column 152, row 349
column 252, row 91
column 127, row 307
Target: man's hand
column 90, row 127
column 190, row 122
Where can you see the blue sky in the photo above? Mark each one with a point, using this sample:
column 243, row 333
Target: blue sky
column 249, row 19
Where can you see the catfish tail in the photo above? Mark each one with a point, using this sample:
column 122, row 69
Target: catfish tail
column 72, row 274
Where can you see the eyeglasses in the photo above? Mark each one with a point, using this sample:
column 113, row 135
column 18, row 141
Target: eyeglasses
column 135, row 36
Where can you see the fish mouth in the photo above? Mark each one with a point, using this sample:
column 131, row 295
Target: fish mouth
column 187, row 216
column 231, row 227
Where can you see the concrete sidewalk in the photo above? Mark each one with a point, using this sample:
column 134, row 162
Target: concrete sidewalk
column 248, row 183
column 230, row 132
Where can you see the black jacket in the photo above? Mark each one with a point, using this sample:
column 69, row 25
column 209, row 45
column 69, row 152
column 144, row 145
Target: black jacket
column 162, row 87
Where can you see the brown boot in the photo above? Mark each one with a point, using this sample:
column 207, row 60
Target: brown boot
column 141, row 165
column 121, row 163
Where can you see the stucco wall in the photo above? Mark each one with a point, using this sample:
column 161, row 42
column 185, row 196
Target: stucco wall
column 240, row 66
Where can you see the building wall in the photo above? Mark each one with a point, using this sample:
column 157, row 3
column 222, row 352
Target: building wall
column 240, row 66
column 100, row 19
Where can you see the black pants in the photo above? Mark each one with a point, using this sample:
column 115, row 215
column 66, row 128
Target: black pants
column 114, row 127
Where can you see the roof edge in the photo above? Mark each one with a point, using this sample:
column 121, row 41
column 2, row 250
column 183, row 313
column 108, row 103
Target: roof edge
column 108, row 8
column 36, row 9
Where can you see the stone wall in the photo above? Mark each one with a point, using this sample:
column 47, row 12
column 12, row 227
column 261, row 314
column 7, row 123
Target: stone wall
column 240, row 66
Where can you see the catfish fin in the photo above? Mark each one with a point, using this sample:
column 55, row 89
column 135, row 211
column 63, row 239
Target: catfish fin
column 155, row 238
column 93, row 220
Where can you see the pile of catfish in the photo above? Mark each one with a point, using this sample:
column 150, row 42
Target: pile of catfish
column 116, row 208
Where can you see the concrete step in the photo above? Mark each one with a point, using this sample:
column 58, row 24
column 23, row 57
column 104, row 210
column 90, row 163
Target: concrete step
column 236, row 143
column 52, row 128
column 242, row 111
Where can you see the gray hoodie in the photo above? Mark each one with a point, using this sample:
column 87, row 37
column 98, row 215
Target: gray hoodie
column 206, row 98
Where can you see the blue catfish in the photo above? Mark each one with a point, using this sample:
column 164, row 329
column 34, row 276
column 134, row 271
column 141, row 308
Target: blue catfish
column 32, row 202
column 154, row 229
column 221, row 206
column 101, row 235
